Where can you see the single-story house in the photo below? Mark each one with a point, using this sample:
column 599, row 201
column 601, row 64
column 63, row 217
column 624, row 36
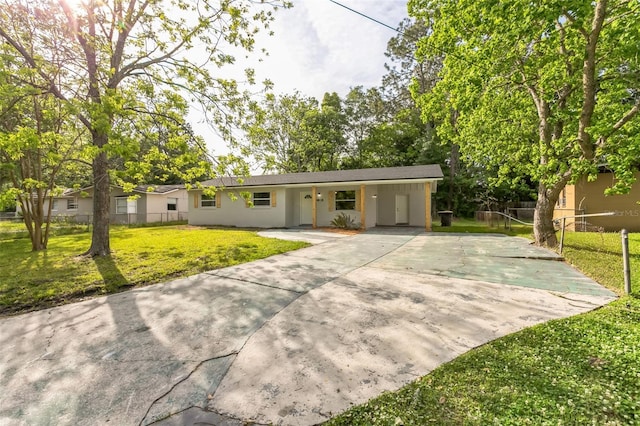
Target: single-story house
column 380, row 196
column 153, row 203
column 585, row 197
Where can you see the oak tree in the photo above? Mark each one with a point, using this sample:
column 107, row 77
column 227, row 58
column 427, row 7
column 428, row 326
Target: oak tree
column 546, row 90
column 112, row 49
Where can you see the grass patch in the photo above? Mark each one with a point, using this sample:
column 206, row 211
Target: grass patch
column 579, row 370
column 12, row 230
column 599, row 256
column 461, row 225
column 140, row 256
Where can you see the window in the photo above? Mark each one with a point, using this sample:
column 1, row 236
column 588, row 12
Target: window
column 562, row 200
column 262, row 199
column 124, row 205
column 172, row 204
column 54, row 205
column 72, row 204
column 345, row 200
column 208, row 200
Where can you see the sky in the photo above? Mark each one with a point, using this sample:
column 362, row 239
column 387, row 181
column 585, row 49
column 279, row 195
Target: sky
column 320, row 47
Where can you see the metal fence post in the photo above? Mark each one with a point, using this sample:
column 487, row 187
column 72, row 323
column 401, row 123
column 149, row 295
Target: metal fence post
column 625, row 261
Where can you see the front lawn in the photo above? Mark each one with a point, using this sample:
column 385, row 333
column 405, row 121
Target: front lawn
column 579, row 370
column 140, row 256
column 462, row 225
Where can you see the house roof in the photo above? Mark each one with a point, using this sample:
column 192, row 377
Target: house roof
column 157, row 189
column 425, row 172
column 143, row 189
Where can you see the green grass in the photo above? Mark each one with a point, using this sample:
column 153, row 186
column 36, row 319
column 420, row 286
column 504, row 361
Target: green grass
column 11, row 230
column 599, row 256
column 140, row 256
column 462, row 225
column 579, row 370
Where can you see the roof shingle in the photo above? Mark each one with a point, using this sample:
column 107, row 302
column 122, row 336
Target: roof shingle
column 429, row 171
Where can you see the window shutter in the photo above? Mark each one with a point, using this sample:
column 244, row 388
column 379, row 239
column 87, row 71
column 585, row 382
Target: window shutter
column 332, row 200
column 218, row 199
column 273, row 198
column 247, row 202
column 195, row 200
column 358, row 200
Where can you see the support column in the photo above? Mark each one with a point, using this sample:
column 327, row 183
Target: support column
column 427, row 206
column 314, row 207
column 363, row 208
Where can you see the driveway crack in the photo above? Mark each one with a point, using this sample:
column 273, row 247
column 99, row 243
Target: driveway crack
column 256, row 283
column 183, row 379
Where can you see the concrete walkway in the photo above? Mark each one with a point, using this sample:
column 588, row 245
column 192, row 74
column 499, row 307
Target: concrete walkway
column 292, row 339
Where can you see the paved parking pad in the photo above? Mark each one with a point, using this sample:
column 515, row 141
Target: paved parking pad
column 128, row 358
column 367, row 332
column 492, row 258
column 293, row 339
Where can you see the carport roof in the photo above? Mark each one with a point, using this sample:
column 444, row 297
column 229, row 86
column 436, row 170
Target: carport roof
column 423, row 173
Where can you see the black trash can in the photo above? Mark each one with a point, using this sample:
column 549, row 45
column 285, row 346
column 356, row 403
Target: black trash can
column 445, row 217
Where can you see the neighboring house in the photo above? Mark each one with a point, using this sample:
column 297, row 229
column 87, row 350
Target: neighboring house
column 588, row 198
column 149, row 204
column 383, row 196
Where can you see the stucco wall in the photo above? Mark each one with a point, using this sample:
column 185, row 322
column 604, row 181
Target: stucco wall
column 379, row 207
column 327, row 211
column 625, row 206
column 235, row 213
column 84, row 210
column 157, row 206
column 387, row 203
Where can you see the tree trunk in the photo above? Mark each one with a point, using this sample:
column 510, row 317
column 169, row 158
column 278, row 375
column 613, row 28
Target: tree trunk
column 31, row 223
column 543, row 229
column 37, row 242
column 100, row 245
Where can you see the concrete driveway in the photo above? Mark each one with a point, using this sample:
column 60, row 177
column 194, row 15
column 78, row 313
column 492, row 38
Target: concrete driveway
column 292, row 339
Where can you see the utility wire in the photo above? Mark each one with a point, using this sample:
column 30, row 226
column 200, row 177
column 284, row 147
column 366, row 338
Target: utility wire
column 365, row 16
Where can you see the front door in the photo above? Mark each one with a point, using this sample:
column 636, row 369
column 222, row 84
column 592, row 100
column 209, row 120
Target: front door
column 402, row 209
column 306, row 208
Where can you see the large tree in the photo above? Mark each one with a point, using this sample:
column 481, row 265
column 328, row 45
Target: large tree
column 545, row 90
column 277, row 133
column 38, row 143
column 107, row 48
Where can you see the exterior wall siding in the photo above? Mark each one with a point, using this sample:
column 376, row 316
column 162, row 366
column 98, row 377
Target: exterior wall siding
column 379, row 203
column 626, row 208
column 150, row 208
column 387, row 203
column 85, row 207
column 326, row 205
column 589, row 198
column 236, row 213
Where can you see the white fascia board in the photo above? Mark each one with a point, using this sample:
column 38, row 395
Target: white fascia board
column 326, row 184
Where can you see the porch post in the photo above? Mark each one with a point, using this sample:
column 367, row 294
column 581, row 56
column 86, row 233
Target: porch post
column 363, row 208
column 427, row 206
column 314, row 207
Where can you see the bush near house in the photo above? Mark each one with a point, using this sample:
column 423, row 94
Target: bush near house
column 343, row 221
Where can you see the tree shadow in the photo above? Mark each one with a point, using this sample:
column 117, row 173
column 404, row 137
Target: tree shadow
column 113, row 278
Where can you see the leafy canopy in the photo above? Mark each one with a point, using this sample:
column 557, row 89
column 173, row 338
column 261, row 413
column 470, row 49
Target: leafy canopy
column 545, row 89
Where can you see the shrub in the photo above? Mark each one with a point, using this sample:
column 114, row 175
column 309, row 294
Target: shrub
column 343, row 221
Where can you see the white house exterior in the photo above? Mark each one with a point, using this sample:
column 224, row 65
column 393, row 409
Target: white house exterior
column 383, row 196
column 146, row 204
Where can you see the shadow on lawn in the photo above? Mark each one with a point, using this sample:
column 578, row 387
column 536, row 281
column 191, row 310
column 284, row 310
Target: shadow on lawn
column 113, row 279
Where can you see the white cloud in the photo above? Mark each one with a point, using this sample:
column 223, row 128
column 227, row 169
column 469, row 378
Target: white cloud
column 321, row 47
